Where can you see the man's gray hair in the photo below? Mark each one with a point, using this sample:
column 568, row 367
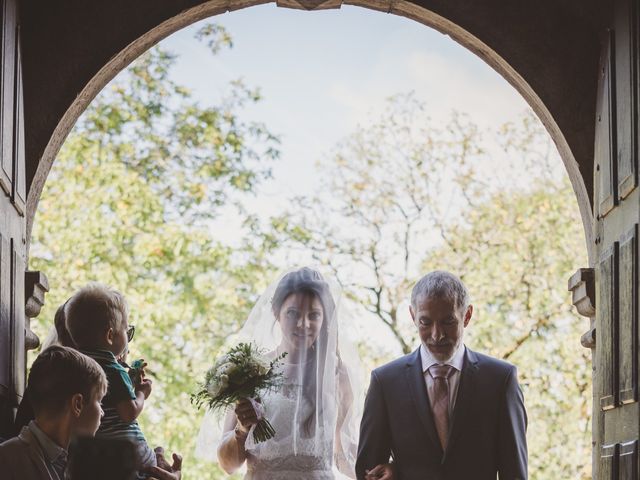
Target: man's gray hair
column 441, row 284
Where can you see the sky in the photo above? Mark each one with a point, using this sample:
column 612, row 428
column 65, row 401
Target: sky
column 323, row 73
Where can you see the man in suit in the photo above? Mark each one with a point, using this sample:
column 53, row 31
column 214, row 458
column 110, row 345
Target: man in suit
column 443, row 412
column 65, row 389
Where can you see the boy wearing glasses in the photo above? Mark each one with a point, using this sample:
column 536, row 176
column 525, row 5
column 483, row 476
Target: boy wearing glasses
column 97, row 320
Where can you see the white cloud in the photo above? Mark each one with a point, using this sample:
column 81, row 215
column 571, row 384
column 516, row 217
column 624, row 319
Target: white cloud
column 445, row 83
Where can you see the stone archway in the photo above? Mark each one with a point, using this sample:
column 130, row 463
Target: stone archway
column 566, row 113
column 548, row 50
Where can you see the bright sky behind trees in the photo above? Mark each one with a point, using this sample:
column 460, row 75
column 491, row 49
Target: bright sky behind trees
column 322, row 73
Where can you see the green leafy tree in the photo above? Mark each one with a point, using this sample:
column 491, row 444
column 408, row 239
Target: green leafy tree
column 130, row 202
column 405, row 196
column 384, row 188
column 515, row 252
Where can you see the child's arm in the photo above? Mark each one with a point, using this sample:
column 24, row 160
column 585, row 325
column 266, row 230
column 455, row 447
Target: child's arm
column 128, row 410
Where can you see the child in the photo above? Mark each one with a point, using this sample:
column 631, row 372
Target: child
column 59, row 336
column 97, row 319
column 66, row 388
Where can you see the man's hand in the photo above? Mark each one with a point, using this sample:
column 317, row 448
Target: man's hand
column 164, row 471
column 380, row 472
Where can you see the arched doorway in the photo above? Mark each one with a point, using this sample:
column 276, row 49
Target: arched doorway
column 572, row 131
column 572, row 155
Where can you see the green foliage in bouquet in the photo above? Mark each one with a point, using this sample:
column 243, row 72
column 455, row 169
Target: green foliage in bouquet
column 243, row 372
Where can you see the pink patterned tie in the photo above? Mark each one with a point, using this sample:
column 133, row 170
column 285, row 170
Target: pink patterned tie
column 440, row 401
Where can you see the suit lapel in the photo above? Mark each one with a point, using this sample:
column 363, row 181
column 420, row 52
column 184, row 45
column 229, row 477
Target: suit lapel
column 418, row 389
column 36, row 454
column 464, row 399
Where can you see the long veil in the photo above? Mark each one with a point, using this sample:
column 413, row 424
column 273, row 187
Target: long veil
column 323, row 388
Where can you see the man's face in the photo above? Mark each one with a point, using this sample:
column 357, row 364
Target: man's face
column 440, row 325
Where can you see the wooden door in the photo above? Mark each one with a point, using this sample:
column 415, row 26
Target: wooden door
column 617, row 208
column 12, row 221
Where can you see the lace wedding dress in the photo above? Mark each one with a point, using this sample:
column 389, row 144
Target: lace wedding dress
column 289, row 455
column 315, row 412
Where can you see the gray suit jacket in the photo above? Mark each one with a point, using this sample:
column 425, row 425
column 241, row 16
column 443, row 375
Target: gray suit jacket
column 21, row 458
column 487, row 436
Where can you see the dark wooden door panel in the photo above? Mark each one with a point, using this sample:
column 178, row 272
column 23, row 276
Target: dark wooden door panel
column 18, row 194
column 605, row 137
column 628, row 304
column 625, row 81
column 608, row 470
column 12, row 222
column 7, row 74
column 617, row 209
column 608, row 327
column 5, row 314
column 628, row 461
column 18, row 268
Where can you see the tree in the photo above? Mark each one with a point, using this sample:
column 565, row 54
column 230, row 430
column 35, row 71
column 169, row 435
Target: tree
column 404, row 196
column 130, row 201
column 515, row 253
column 384, row 189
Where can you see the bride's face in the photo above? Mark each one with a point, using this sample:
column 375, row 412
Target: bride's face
column 301, row 317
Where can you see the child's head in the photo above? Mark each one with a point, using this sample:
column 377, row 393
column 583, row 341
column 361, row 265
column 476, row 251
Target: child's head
column 60, row 334
column 65, row 384
column 97, row 318
column 60, row 323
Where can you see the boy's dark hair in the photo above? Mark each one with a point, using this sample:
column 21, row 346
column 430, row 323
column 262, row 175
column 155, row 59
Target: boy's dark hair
column 59, row 320
column 59, row 373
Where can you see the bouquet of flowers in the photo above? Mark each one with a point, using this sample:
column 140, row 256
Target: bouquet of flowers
column 243, row 372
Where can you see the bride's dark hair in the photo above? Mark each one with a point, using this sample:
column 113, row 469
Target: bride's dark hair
column 310, row 282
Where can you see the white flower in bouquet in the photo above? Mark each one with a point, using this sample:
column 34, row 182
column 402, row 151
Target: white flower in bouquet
column 244, row 372
column 263, row 365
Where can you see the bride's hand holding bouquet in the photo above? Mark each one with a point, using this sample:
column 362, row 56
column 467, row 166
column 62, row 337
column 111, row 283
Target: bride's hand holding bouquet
column 240, row 378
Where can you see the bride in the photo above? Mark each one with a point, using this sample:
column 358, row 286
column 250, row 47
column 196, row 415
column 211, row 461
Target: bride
column 314, row 411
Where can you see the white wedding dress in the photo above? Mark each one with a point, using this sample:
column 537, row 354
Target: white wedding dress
column 315, row 412
column 289, row 455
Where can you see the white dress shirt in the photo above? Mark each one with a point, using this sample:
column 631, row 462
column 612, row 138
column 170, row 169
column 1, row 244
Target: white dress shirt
column 456, row 361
